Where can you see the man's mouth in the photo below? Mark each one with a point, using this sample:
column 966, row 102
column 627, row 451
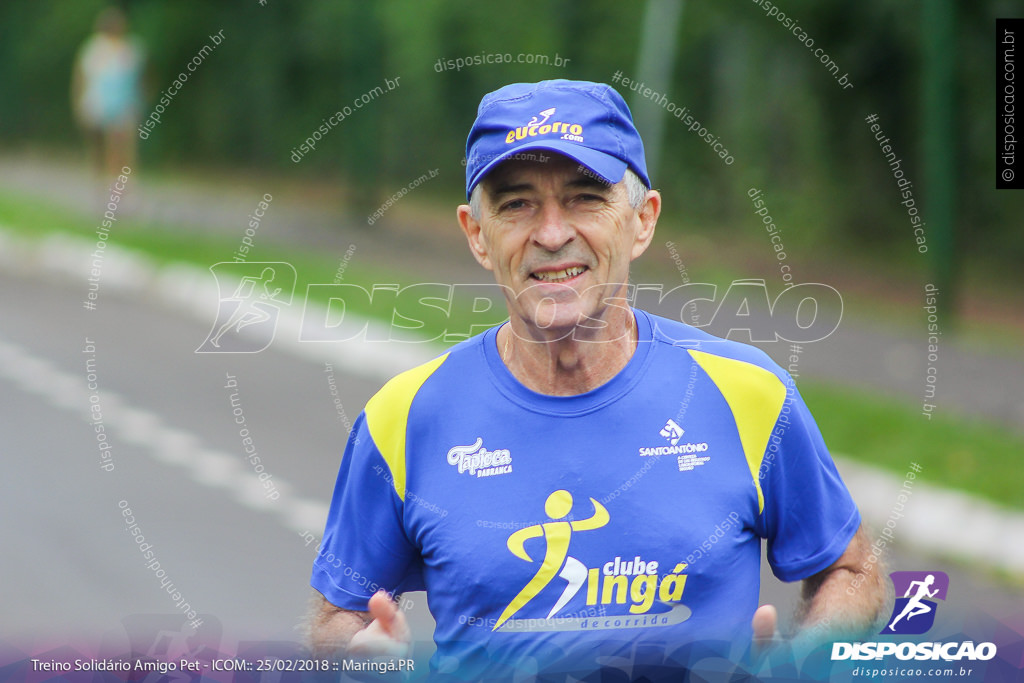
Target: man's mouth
column 558, row 275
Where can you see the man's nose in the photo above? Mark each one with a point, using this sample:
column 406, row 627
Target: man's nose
column 553, row 230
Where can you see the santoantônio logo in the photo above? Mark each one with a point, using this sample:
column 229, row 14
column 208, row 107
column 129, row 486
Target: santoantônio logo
column 250, row 298
column 672, row 432
column 479, row 461
column 611, row 584
column 569, row 131
column 687, row 452
column 914, row 614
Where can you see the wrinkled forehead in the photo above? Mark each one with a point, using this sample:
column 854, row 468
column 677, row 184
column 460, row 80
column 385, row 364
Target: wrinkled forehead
column 540, row 167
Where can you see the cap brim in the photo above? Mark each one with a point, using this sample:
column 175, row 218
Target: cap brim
column 608, row 168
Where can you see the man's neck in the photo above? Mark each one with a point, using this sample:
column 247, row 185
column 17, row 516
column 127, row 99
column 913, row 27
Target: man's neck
column 574, row 364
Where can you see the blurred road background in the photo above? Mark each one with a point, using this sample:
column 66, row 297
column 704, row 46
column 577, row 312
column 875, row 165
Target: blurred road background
column 360, row 206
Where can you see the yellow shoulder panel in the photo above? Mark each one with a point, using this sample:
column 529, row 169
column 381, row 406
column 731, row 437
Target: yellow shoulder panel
column 755, row 397
column 387, row 416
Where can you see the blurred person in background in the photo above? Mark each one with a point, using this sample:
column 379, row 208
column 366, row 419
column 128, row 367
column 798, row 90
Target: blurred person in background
column 106, row 92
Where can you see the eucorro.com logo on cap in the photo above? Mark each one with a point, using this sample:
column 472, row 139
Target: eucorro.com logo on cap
column 570, row 131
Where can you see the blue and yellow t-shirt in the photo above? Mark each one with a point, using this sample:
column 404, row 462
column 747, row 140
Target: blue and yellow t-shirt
column 623, row 522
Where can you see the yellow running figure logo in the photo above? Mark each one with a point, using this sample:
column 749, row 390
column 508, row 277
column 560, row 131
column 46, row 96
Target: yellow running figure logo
column 557, row 534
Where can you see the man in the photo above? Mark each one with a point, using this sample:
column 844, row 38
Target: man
column 587, row 484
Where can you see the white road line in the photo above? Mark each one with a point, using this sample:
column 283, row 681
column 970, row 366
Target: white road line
column 193, row 290
column 167, row 445
column 937, row 521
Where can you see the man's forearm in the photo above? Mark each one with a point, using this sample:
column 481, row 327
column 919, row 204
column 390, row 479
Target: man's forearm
column 847, row 597
column 833, row 607
column 331, row 628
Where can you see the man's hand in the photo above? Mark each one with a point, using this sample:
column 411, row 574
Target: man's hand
column 387, row 634
column 764, row 624
column 334, row 631
column 846, row 597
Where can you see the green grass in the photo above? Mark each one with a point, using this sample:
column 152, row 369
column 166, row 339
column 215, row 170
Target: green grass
column 167, row 244
column 970, row 455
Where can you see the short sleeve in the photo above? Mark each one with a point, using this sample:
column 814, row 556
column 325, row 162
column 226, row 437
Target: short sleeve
column 809, row 516
column 365, row 546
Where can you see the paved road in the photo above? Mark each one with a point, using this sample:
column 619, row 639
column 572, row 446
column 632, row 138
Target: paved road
column 231, row 552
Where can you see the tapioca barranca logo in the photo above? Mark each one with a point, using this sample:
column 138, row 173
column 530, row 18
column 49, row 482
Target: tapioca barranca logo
column 250, row 298
column 914, row 612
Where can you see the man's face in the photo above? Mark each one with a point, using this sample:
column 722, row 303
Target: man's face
column 558, row 239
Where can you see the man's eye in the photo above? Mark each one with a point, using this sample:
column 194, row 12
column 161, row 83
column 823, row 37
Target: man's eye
column 512, row 205
column 590, row 198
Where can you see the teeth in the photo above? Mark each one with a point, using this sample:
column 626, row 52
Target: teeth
column 559, row 275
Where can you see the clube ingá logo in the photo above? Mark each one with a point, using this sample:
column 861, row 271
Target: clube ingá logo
column 916, row 595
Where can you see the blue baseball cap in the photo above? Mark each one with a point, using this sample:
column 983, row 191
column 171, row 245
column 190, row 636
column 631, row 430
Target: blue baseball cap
column 587, row 122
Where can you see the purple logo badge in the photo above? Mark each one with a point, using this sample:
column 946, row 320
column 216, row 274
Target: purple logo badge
column 916, row 592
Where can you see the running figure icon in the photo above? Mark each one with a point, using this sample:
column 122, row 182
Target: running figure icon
column 247, row 295
column 251, row 297
column 915, row 606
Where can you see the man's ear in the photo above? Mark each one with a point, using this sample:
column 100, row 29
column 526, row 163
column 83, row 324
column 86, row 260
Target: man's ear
column 474, row 235
column 648, row 217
